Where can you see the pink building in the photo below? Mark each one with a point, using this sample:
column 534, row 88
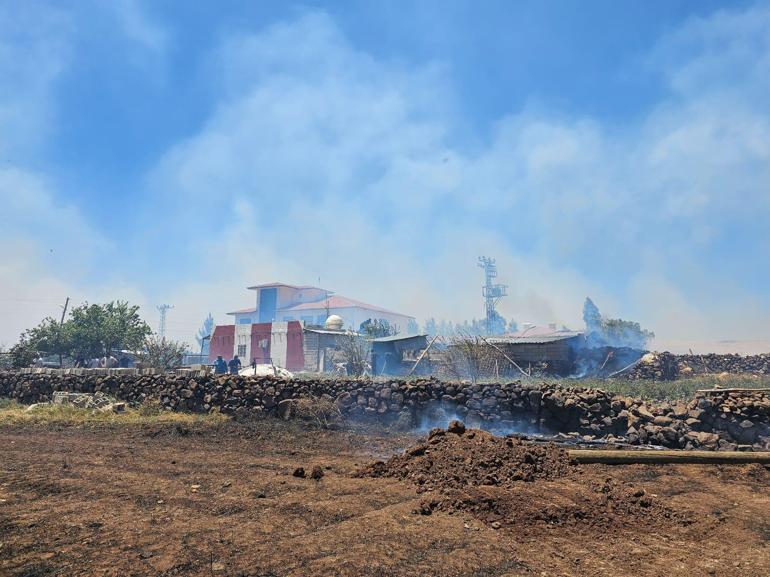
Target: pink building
column 273, row 329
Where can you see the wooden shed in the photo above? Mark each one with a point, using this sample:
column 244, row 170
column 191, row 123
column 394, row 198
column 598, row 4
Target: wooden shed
column 557, row 352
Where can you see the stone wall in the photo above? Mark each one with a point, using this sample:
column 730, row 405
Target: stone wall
column 667, row 366
column 716, row 420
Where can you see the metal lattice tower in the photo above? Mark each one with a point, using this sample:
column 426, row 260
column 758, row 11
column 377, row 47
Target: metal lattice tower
column 492, row 292
column 163, row 309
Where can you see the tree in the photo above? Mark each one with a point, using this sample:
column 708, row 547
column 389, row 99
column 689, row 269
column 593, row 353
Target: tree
column 23, row 353
column 160, row 353
column 91, row 331
column 376, row 328
column 203, row 335
column 430, row 326
column 354, row 350
column 625, row 333
column 613, row 332
column 591, row 316
column 412, row 328
column 98, row 330
column 497, row 324
column 50, row 337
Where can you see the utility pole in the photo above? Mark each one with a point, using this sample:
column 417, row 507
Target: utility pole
column 163, row 309
column 58, row 336
column 492, row 292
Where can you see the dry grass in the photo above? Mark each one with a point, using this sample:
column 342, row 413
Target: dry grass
column 322, row 411
column 13, row 413
column 680, row 389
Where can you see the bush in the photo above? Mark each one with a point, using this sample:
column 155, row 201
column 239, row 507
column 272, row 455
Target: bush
column 322, row 410
column 150, row 408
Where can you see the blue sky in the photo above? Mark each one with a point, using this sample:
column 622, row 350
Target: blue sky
column 164, row 152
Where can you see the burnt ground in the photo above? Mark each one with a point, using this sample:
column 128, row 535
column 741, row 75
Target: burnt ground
column 129, row 501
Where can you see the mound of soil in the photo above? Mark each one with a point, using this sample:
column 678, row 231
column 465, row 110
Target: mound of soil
column 609, row 505
column 457, row 458
column 505, row 481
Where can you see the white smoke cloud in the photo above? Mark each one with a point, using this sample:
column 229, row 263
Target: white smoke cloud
column 326, row 162
column 321, row 161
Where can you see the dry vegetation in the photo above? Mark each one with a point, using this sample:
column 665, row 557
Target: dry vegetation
column 13, row 413
column 680, row 389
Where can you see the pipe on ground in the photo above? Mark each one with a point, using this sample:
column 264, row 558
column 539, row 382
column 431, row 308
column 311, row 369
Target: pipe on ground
column 616, row 457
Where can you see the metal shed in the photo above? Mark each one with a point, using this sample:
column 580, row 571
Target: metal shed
column 396, row 355
column 557, row 351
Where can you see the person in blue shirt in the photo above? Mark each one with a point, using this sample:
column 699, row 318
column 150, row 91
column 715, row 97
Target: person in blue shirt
column 220, row 366
column 235, row 365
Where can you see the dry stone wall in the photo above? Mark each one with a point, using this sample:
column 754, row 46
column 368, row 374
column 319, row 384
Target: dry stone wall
column 668, row 366
column 716, row 420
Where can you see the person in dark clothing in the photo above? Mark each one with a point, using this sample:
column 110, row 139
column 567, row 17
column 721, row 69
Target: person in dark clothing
column 220, row 366
column 254, row 365
column 235, row 365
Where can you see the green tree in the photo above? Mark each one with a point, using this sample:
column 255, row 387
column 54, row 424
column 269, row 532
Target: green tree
column 98, row 330
column 625, row 333
column 51, row 337
column 613, row 332
column 91, row 331
column 22, row 354
column 375, row 328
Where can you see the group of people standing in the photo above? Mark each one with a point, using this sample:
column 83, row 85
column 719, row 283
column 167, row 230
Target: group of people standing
column 103, row 363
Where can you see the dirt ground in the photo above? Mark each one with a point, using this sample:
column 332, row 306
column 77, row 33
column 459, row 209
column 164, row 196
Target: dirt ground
column 222, row 501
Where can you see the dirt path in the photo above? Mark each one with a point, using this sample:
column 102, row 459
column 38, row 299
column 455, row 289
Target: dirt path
column 132, row 501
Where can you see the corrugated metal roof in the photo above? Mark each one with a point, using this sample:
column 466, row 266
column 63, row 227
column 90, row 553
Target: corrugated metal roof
column 536, row 340
column 541, row 331
column 393, row 338
column 330, row 332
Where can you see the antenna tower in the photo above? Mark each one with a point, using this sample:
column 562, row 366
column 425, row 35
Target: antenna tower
column 163, row 309
column 492, row 292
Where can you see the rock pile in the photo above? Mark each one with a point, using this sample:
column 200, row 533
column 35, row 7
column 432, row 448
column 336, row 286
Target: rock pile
column 712, row 421
column 667, row 366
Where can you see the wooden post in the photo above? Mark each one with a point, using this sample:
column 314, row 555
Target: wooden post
column 422, row 354
column 61, row 324
column 509, row 359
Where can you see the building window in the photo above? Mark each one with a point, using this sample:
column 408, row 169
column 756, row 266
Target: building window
column 244, row 321
column 241, row 350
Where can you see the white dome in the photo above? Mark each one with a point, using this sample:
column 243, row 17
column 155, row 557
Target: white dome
column 334, row 322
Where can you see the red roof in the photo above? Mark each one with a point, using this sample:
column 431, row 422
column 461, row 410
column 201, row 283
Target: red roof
column 338, row 302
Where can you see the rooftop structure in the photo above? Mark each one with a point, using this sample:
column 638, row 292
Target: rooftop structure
column 281, row 302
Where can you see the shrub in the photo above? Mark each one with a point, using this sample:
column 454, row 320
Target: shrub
column 322, row 410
